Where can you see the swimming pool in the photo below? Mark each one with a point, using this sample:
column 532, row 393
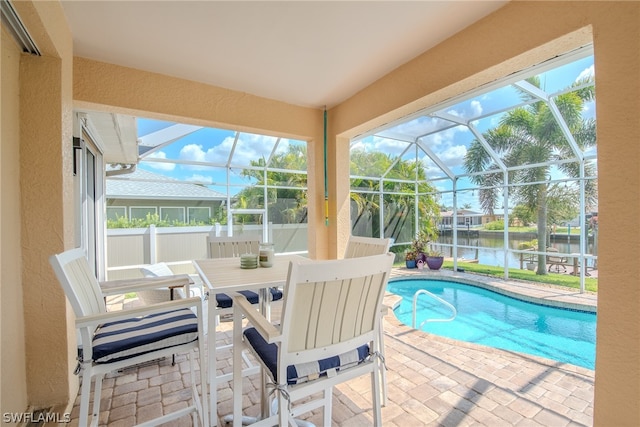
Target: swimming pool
column 495, row 320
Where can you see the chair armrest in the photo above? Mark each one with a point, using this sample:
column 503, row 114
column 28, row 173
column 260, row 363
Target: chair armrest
column 111, row 316
column 241, row 306
column 118, row 287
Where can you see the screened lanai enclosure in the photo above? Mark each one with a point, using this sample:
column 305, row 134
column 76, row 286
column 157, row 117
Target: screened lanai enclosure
column 500, row 176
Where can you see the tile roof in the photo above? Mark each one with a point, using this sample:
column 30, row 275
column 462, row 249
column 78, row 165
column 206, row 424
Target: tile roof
column 143, row 184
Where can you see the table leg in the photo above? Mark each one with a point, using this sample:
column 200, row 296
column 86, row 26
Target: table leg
column 265, row 309
column 263, row 304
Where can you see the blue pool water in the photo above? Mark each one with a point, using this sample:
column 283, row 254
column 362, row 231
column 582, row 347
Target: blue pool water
column 491, row 319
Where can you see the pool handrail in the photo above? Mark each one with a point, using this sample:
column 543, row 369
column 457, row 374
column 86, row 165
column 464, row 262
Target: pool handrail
column 415, row 301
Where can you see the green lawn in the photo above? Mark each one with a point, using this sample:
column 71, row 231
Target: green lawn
column 530, row 276
column 566, row 280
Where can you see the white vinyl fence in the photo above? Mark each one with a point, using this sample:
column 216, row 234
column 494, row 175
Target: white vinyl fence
column 130, row 248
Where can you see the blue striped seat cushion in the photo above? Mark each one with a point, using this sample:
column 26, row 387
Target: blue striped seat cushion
column 303, row 372
column 225, row 301
column 128, row 338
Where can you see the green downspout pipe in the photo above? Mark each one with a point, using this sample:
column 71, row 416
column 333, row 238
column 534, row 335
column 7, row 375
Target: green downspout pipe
column 326, row 181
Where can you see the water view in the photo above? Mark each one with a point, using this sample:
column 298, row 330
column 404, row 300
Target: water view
column 490, row 251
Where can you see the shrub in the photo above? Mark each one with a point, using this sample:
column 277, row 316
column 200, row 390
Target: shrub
column 495, row 225
column 124, row 222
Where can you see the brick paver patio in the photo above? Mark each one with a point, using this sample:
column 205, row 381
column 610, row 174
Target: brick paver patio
column 431, row 380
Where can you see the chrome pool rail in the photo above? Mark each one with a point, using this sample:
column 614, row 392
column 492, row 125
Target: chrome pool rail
column 415, row 301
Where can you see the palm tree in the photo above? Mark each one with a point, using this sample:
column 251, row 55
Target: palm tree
column 532, row 135
column 286, row 205
column 398, row 196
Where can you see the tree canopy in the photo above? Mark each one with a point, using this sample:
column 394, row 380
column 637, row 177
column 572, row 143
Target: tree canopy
column 285, row 186
column 398, row 188
column 533, row 135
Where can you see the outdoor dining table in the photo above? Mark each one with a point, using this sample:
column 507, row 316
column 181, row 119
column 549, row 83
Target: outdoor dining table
column 224, row 275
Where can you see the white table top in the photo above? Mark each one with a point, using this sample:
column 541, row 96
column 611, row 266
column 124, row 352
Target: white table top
column 223, row 275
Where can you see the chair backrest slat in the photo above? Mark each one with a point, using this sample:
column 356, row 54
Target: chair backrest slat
column 78, row 281
column 359, row 246
column 327, row 303
column 232, row 247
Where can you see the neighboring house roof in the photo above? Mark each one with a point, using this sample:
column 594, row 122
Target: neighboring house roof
column 461, row 212
column 143, row 184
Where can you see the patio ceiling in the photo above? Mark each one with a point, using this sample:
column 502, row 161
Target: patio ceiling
column 307, row 53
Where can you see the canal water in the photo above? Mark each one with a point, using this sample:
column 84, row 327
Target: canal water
column 489, row 250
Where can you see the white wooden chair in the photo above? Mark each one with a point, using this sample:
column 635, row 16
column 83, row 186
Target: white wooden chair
column 232, row 246
column 359, row 246
column 328, row 334
column 114, row 340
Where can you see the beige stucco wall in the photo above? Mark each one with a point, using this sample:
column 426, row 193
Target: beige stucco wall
column 45, row 206
column 513, row 38
column 13, row 392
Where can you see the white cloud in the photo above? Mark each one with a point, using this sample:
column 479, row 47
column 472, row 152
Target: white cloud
column 358, row 146
column 249, row 147
column 283, row 146
column 431, row 170
column 196, row 153
column 444, row 140
column 453, row 156
column 466, row 112
column 158, row 165
column 252, row 147
column 420, row 126
column 390, row 146
column 200, row 179
column 192, row 152
column 476, row 107
column 587, row 72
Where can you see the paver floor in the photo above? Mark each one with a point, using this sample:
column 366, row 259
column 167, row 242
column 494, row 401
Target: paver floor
column 431, row 380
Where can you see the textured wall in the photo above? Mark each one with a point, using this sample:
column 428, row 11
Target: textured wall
column 46, row 202
column 13, row 393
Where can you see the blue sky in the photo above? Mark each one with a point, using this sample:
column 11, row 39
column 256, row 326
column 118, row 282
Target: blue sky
column 214, row 145
column 210, row 145
column 451, row 145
